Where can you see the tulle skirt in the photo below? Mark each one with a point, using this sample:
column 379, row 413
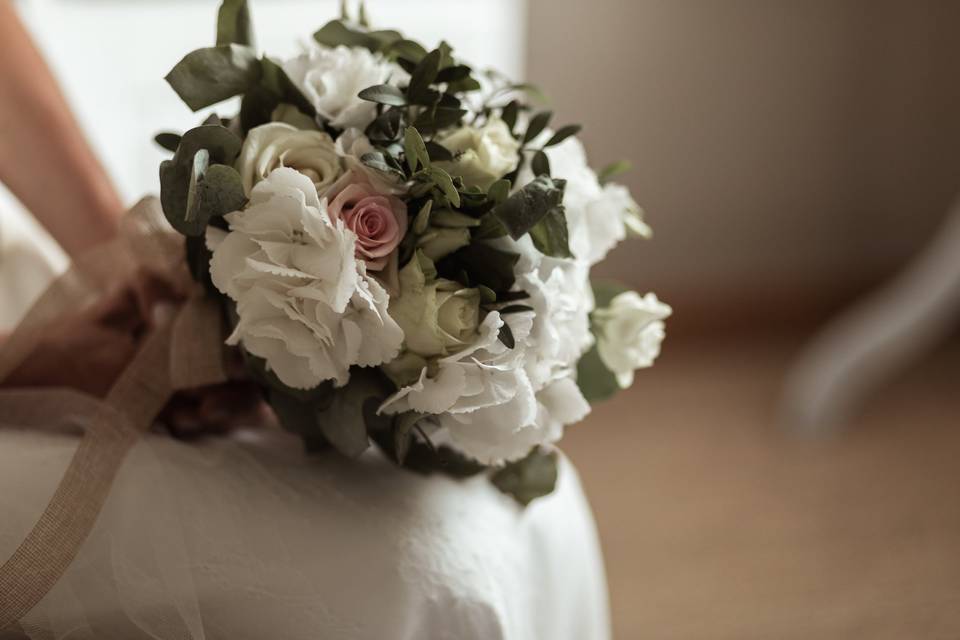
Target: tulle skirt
column 247, row 537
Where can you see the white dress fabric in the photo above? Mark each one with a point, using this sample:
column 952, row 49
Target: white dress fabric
column 246, row 537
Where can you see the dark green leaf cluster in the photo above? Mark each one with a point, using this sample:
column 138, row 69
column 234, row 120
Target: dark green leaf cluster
column 199, row 183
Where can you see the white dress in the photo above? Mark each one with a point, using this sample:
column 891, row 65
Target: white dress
column 247, row 537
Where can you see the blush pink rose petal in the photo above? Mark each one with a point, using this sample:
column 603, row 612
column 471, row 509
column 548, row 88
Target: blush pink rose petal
column 378, row 220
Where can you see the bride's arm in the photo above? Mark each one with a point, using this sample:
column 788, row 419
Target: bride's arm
column 44, row 159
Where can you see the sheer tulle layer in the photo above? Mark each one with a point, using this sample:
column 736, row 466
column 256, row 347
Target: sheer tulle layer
column 247, row 537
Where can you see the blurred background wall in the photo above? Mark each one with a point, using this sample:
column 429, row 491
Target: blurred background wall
column 788, row 153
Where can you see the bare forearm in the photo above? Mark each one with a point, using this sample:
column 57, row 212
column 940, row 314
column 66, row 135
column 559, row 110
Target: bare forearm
column 44, row 159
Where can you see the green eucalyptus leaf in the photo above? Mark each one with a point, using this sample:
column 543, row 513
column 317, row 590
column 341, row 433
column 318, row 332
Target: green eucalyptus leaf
column 512, row 296
column 499, row 190
column 376, row 160
column 483, row 264
column 526, row 480
column 385, row 129
column 220, row 191
column 384, row 94
column 612, row 170
column 533, row 91
column 220, row 147
column 465, row 85
column 453, row 219
column 439, row 243
column 336, row 33
column 438, row 152
column 509, row 114
column 275, row 88
column 407, row 65
column 563, row 133
column 198, row 261
column 295, row 415
column 407, row 50
column 233, row 23
column 550, row 235
column 490, row 228
column 596, row 381
column 525, row 208
column 168, row 140
column 277, row 82
column 432, row 120
column 422, row 220
column 344, row 423
column 537, row 124
column 193, row 217
column 516, row 308
column 214, row 74
column 444, row 182
column 403, row 427
column 384, row 38
column 453, row 73
column 540, row 164
column 415, row 149
column 362, row 18
column 424, row 75
column 506, row 336
column 487, row 294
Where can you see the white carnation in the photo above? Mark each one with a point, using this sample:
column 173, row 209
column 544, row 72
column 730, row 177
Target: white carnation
column 305, row 304
column 495, row 404
column 332, row 78
column 481, row 395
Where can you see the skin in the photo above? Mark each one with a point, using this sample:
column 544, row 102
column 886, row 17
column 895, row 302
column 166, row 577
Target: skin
column 81, row 209
column 48, row 165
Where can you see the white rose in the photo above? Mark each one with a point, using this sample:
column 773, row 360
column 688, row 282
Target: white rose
column 276, row 144
column 438, row 316
column 482, row 155
column 629, row 333
column 305, row 304
column 331, row 79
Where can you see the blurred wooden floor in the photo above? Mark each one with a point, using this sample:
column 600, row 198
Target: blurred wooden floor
column 716, row 525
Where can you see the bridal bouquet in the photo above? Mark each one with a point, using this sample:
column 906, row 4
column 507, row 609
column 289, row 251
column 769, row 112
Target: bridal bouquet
column 402, row 247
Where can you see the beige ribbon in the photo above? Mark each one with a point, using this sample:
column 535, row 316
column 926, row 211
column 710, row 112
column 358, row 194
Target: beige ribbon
column 184, row 354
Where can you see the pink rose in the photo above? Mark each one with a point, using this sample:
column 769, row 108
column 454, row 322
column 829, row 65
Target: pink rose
column 378, row 220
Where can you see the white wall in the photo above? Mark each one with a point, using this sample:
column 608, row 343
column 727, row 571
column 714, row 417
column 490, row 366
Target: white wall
column 785, row 150
column 111, row 57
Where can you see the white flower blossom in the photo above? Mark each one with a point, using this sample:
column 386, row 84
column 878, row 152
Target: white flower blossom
column 629, row 333
column 482, row 155
column 331, row 78
column 305, row 304
column 275, row 144
column 598, row 216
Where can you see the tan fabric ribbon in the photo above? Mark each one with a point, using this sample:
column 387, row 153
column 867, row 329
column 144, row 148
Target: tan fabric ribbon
column 184, row 354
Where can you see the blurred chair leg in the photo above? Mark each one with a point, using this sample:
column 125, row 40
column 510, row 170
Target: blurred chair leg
column 868, row 344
